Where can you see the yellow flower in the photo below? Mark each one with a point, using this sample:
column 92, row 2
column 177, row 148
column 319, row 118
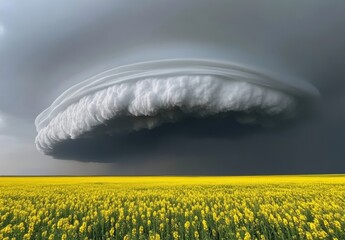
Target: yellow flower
column 337, row 224
column 141, row 229
column 285, row 222
column 126, row 237
column 247, row 236
column 309, row 236
column 187, row 225
column 155, row 237
column 204, row 225
column 196, row 235
column 26, row 236
column 175, row 235
column 161, row 226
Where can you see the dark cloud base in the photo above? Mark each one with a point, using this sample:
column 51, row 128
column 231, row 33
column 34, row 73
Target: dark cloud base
column 96, row 146
column 214, row 146
column 195, row 147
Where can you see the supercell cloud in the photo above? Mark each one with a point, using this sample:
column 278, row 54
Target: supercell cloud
column 150, row 94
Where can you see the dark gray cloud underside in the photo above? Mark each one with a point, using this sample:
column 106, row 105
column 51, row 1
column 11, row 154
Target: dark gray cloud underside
column 216, row 146
column 133, row 146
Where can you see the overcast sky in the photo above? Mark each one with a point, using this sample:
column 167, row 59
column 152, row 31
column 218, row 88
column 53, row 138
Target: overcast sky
column 48, row 46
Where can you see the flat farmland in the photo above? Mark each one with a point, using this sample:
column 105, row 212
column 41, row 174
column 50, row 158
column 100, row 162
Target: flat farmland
column 248, row 207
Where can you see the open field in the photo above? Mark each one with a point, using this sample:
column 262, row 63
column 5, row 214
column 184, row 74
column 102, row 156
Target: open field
column 264, row 207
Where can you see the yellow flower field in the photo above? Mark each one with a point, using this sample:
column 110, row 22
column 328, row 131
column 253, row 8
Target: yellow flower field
column 270, row 207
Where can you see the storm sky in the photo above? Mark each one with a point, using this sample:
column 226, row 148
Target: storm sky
column 47, row 47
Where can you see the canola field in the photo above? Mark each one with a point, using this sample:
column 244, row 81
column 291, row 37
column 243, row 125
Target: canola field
column 262, row 207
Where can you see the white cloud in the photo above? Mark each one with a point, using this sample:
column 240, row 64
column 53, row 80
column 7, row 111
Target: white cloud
column 149, row 94
column 149, row 103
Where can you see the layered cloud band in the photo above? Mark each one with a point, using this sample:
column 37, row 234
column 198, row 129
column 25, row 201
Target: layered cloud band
column 146, row 95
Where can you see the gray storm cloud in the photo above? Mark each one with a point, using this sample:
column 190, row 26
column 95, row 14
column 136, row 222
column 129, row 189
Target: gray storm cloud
column 146, row 95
